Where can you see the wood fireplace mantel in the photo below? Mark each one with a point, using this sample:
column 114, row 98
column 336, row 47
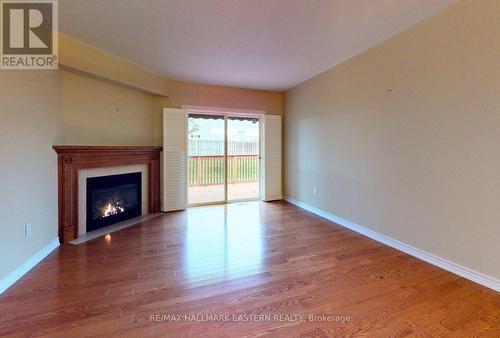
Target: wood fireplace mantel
column 73, row 158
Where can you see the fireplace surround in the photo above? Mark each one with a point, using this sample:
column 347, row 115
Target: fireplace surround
column 75, row 159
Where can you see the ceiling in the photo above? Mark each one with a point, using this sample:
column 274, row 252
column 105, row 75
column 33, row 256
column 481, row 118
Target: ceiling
column 262, row 44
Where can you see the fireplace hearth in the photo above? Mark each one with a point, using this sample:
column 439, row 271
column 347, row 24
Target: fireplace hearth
column 112, row 199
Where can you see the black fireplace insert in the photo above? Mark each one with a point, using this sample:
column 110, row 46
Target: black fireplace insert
column 112, row 199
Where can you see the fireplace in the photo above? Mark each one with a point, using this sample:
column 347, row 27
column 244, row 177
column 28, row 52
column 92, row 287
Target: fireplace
column 112, row 199
column 84, row 162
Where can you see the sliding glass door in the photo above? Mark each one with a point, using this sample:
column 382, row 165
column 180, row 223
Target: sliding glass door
column 206, row 159
column 223, row 158
column 243, row 158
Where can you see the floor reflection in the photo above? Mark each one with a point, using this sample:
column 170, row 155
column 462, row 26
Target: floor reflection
column 223, row 240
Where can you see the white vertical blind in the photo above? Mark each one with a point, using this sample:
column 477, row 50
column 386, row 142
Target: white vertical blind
column 271, row 185
column 174, row 159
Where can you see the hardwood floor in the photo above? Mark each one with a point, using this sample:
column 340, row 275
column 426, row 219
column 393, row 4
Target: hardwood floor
column 243, row 262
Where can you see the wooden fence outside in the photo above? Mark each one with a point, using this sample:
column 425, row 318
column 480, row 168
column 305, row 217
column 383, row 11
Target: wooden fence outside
column 209, row 169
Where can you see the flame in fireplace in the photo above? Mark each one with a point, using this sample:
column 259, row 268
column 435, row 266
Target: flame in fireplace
column 111, row 209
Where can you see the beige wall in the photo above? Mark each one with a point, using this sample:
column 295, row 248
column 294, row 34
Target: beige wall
column 183, row 93
column 30, row 123
column 101, row 113
column 405, row 138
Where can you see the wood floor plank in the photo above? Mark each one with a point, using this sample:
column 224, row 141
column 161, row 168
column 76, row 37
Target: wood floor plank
column 243, row 260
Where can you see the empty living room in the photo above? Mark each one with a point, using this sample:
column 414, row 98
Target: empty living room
column 249, row 168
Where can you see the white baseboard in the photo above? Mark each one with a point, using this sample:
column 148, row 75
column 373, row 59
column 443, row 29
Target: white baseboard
column 488, row 281
column 15, row 275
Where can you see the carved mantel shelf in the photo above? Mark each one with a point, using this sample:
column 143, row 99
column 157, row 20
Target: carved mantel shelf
column 73, row 158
